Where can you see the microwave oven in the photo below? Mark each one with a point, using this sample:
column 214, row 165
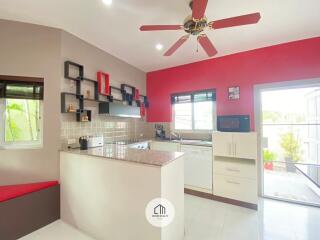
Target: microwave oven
column 233, row 123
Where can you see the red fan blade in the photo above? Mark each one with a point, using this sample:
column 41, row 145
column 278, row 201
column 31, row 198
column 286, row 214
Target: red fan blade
column 176, row 45
column 199, row 8
column 236, row 21
column 160, row 27
column 207, row 45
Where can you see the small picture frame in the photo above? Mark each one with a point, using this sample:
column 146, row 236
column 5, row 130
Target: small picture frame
column 234, row 93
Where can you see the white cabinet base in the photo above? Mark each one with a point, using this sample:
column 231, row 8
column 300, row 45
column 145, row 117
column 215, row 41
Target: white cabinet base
column 198, row 168
column 240, row 189
column 235, row 166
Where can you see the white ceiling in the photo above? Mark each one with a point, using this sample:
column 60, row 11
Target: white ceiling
column 115, row 29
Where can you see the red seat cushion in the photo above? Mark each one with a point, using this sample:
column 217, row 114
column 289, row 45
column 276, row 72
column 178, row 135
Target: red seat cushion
column 13, row 191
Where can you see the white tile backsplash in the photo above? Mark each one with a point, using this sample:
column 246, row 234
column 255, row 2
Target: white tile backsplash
column 111, row 128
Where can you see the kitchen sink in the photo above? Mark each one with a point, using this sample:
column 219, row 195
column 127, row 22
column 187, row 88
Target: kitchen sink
column 192, row 141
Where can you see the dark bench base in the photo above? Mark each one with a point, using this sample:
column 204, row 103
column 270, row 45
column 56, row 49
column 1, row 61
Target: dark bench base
column 23, row 215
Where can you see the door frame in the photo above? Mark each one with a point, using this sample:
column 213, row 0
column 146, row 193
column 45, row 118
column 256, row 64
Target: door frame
column 258, row 89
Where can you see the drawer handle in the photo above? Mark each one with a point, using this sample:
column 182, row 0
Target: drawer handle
column 232, row 170
column 233, row 182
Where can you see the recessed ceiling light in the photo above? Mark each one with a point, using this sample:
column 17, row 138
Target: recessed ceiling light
column 159, row 47
column 107, row 2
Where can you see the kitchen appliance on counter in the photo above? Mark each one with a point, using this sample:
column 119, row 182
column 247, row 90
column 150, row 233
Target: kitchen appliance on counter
column 233, row 123
column 160, row 132
column 87, row 142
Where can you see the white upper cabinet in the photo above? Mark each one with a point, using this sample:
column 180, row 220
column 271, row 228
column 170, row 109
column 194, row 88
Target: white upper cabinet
column 222, row 144
column 245, row 145
column 237, row 145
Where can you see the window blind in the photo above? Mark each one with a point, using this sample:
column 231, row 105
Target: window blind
column 11, row 87
column 1, row 89
column 199, row 96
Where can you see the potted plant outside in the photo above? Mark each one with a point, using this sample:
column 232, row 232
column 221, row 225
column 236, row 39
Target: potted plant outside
column 291, row 148
column 268, row 158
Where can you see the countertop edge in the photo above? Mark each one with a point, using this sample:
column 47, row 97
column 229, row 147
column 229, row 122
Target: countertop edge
column 78, row 152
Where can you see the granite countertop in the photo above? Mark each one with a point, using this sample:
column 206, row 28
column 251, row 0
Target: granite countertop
column 125, row 153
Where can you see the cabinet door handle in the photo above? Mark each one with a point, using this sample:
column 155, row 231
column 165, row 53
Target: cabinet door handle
column 232, row 170
column 233, row 182
column 229, row 148
column 235, row 149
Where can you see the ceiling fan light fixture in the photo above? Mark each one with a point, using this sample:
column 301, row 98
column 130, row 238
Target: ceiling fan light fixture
column 107, row 2
column 159, row 46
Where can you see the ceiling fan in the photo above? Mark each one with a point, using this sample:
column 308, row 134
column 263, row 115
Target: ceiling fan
column 196, row 23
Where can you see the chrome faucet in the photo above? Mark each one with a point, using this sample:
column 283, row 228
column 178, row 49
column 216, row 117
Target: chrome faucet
column 176, row 135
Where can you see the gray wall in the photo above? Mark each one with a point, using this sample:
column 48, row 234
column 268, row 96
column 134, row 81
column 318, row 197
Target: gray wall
column 30, row 50
column 94, row 60
column 37, row 51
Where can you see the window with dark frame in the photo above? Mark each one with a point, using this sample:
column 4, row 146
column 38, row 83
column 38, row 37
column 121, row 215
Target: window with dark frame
column 195, row 110
column 21, row 108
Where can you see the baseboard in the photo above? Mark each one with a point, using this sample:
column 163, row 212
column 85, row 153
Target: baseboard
column 221, row 199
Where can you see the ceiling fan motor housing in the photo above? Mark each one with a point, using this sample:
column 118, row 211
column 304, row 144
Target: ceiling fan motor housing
column 194, row 27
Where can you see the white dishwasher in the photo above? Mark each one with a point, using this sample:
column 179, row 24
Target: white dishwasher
column 198, row 167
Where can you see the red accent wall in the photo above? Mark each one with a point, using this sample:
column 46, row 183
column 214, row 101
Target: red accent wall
column 284, row 62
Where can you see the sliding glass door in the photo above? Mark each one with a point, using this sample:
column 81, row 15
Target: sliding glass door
column 291, row 144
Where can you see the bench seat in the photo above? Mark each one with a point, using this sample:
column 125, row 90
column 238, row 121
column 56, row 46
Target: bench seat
column 13, row 191
column 26, row 208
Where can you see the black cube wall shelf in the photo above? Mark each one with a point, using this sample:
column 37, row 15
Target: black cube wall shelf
column 83, row 115
column 68, row 65
column 95, row 86
column 128, row 93
column 79, row 112
column 63, row 100
column 115, row 89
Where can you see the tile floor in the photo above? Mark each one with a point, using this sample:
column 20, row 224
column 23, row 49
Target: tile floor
column 210, row 220
column 57, row 231
column 288, row 185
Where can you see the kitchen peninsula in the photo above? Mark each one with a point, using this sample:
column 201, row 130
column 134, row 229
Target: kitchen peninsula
column 105, row 191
